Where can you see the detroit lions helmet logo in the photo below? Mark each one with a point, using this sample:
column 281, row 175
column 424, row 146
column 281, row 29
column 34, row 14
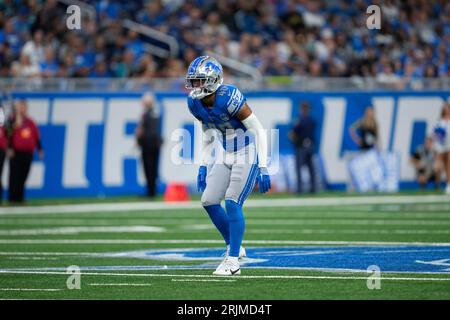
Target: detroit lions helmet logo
column 224, row 117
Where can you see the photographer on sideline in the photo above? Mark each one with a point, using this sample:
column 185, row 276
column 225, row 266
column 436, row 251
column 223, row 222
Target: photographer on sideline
column 427, row 166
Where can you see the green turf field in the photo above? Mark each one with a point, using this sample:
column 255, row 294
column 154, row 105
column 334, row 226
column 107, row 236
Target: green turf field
column 38, row 243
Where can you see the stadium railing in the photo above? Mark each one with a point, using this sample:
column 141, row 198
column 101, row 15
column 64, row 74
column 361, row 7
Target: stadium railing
column 277, row 83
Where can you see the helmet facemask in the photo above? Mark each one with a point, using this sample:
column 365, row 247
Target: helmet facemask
column 204, row 80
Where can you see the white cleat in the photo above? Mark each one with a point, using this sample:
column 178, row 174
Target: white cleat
column 447, row 190
column 229, row 267
column 242, row 252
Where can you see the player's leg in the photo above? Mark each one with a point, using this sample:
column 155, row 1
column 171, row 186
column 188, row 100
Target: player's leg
column 447, row 170
column 298, row 169
column 242, row 181
column 437, row 171
column 422, row 178
column 14, row 176
column 2, row 161
column 217, row 182
column 311, row 169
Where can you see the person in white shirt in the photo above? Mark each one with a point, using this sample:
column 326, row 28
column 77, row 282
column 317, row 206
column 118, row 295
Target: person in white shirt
column 442, row 142
column 34, row 48
column 25, row 69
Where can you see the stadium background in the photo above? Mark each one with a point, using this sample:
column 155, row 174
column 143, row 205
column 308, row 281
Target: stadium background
column 84, row 88
column 91, row 150
column 269, row 48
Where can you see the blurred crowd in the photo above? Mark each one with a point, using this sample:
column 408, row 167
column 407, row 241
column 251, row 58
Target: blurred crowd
column 279, row 37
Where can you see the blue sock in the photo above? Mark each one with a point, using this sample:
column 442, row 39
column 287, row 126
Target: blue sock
column 219, row 218
column 237, row 226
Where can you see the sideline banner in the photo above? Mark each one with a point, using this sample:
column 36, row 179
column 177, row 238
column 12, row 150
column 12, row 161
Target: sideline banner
column 90, row 148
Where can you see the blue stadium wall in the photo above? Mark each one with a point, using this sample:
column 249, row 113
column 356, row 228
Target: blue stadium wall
column 90, row 150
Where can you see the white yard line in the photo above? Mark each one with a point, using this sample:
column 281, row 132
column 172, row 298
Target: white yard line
column 346, row 221
column 257, row 203
column 201, row 223
column 202, row 280
column 346, row 231
column 28, row 289
column 120, row 284
column 200, row 276
column 78, row 230
column 17, row 253
column 201, row 241
column 32, row 258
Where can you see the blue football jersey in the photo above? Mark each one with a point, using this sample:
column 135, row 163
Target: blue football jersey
column 222, row 116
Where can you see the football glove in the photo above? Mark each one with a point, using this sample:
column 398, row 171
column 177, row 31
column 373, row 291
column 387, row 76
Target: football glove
column 201, row 179
column 263, row 180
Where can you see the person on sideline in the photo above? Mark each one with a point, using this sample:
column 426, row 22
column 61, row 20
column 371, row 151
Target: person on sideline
column 302, row 136
column 442, row 142
column 364, row 132
column 149, row 140
column 24, row 140
column 3, row 146
column 426, row 164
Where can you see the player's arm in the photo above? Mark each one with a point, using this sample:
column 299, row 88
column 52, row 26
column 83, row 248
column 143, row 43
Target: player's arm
column 352, row 129
column 207, row 146
column 415, row 159
column 251, row 122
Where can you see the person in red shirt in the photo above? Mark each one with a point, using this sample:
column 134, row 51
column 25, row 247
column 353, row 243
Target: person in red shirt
column 3, row 146
column 24, row 139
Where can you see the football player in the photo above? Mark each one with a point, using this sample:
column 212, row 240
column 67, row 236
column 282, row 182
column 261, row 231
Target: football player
column 242, row 162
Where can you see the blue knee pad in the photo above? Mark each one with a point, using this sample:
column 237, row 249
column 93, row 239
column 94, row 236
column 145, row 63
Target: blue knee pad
column 219, row 217
column 237, row 226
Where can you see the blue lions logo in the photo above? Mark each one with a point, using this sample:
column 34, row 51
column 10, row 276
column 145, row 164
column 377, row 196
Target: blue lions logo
column 210, row 66
column 224, row 117
column 406, row 258
column 420, row 259
column 223, row 90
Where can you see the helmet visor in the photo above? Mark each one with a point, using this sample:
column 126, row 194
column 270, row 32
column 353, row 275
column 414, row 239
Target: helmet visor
column 195, row 82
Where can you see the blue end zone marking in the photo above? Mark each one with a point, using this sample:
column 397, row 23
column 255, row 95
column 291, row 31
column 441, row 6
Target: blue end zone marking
column 418, row 259
column 402, row 259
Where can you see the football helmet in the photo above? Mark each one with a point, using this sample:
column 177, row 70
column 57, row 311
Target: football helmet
column 204, row 76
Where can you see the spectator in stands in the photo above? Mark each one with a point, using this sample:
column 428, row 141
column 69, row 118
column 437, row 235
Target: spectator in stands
column 328, row 38
column 34, row 48
column 24, row 140
column 153, row 15
column 425, row 162
column 49, row 67
column 25, row 69
column 364, row 131
column 149, row 140
column 214, row 27
column 12, row 37
column 442, row 142
column 302, row 136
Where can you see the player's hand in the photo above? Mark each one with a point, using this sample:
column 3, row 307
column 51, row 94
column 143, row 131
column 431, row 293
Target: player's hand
column 264, row 180
column 201, row 179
